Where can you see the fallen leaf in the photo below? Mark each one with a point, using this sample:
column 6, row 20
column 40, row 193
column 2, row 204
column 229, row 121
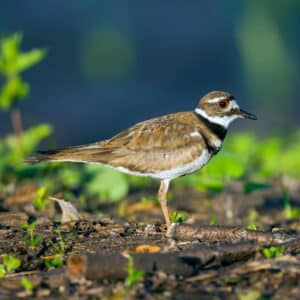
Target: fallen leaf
column 69, row 212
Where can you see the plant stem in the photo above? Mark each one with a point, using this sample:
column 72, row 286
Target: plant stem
column 16, row 121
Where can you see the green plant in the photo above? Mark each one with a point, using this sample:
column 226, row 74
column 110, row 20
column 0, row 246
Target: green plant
column 54, row 262
column 133, row 275
column 213, row 220
column 106, row 183
column 9, row 263
column 290, row 212
column 31, row 240
column 60, row 248
column 41, row 201
column 250, row 187
column 273, row 252
column 253, row 215
column 27, row 285
column 178, row 217
column 252, row 226
column 12, row 63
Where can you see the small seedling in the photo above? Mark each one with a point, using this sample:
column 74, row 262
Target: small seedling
column 178, row 217
column 13, row 62
column 213, row 220
column 27, row 285
column 60, row 248
column 291, row 213
column 31, row 240
column 10, row 263
column 253, row 215
column 252, row 227
column 273, row 252
column 41, row 201
column 133, row 275
column 53, row 261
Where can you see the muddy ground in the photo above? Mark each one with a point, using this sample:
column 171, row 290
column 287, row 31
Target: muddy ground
column 199, row 261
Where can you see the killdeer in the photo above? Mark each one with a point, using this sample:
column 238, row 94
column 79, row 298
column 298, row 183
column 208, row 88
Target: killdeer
column 165, row 147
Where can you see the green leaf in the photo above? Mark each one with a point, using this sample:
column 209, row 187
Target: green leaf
column 27, row 284
column 252, row 226
column 107, row 183
column 12, row 60
column 213, row 220
column 273, row 252
column 14, row 153
column 133, row 275
column 9, row 52
column 269, row 155
column 2, row 271
column 178, row 217
column 225, row 166
column 290, row 159
column 70, row 176
column 14, row 90
column 54, row 262
column 40, row 202
column 10, row 262
column 28, row 59
column 241, row 145
column 250, row 187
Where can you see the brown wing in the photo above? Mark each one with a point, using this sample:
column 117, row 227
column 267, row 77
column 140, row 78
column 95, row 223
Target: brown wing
column 150, row 146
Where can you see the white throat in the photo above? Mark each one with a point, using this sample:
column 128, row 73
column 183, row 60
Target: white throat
column 224, row 121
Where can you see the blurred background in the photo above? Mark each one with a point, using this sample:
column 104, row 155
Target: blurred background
column 110, row 64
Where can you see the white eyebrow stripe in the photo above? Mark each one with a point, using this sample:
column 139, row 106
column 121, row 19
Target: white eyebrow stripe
column 216, row 99
column 220, row 120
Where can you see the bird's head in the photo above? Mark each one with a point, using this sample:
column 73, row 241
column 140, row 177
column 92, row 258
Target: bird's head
column 221, row 108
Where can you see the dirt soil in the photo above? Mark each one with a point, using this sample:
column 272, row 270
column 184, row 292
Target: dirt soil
column 199, row 261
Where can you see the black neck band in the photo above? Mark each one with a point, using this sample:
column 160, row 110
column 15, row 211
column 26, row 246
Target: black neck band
column 219, row 130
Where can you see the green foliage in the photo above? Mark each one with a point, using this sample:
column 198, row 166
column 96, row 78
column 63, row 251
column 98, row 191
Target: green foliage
column 31, row 240
column 9, row 263
column 2, row 271
column 291, row 213
column 178, row 217
column 27, row 284
column 133, row 275
column 40, row 202
column 250, row 187
column 60, row 248
column 13, row 151
column 226, row 167
column 12, row 63
column 56, row 261
column 246, row 157
column 60, row 245
column 252, row 226
column 273, row 252
column 106, row 183
column 213, row 220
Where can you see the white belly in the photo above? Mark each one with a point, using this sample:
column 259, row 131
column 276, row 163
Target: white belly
column 170, row 174
column 190, row 167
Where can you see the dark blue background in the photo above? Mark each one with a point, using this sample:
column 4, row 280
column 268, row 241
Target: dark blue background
column 111, row 64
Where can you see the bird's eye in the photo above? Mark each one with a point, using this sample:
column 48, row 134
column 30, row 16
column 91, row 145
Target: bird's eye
column 223, row 103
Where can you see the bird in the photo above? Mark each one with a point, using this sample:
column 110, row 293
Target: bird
column 164, row 147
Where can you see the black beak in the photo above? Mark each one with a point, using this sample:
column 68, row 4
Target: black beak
column 247, row 115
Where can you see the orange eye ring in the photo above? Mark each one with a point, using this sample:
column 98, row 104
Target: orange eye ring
column 223, row 103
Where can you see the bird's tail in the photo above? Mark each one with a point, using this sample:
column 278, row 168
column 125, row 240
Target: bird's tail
column 85, row 153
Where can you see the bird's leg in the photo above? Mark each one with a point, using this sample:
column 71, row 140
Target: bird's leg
column 162, row 197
